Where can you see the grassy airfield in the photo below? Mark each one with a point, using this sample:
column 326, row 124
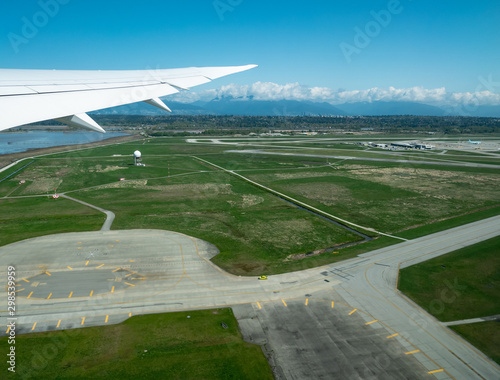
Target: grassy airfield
column 255, row 231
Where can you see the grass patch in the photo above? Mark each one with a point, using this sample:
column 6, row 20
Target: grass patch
column 31, row 217
column 254, row 231
column 450, row 223
column 161, row 346
column 458, row 285
column 484, row 335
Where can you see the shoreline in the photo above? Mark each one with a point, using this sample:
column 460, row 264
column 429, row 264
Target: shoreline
column 11, row 158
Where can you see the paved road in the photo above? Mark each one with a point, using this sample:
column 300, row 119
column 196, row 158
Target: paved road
column 104, row 277
column 343, row 157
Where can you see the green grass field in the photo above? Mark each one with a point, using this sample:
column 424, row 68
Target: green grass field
column 255, row 231
column 459, row 285
column 483, row 335
column 31, row 217
column 161, row 346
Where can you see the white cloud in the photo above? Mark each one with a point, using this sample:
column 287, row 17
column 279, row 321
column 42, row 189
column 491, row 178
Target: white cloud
column 296, row 91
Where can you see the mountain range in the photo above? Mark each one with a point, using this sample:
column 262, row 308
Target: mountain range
column 252, row 107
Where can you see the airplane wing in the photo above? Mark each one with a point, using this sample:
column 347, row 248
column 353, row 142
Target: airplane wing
column 28, row 96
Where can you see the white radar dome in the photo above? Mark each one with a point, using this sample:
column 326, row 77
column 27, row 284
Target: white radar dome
column 137, row 154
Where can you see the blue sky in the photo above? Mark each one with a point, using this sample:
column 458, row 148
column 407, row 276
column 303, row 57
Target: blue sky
column 428, row 44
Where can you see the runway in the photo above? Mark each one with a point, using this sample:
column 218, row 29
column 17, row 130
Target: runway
column 97, row 278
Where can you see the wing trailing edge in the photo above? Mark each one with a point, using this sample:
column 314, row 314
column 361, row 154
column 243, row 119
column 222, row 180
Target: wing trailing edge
column 28, row 96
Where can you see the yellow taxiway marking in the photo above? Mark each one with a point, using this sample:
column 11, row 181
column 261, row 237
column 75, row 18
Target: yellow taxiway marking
column 307, row 301
column 8, row 329
column 369, row 323
column 258, row 304
column 392, row 336
column 99, row 266
column 412, row 352
column 106, row 321
column 70, row 294
column 117, row 269
column 130, row 274
column 118, row 240
column 25, row 280
column 284, row 303
column 20, row 290
column 48, row 273
column 129, row 284
column 79, row 242
column 34, row 325
column 83, row 320
column 112, row 289
column 138, row 278
column 131, row 261
column 79, row 247
column 29, row 295
column 111, row 246
column 87, row 263
column 437, row 370
column 58, row 323
column 69, row 268
column 91, row 292
column 50, row 295
column 129, row 314
column 352, row 312
column 333, row 304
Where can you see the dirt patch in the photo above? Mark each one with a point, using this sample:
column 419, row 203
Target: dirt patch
column 248, row 200
column 300, row 174
column 326, row 193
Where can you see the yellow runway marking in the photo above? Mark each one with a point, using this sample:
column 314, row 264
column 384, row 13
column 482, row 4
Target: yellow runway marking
column 91, row 292
column 48, row 273
column 34, row 325
column 58, row 323
column 29, row 295
column 70, row 294
column 87, row 263
column 8, row 329
column 258, row 304
column 69, row 268
column 83, row 321
column 437, row 370
column 392, row 336
column 369, row 323
column 112, row 289
column 99, row 266
column 352, row 312
column 307, row 301
column 129, row 284
column 25, row 280
column 412, row 352
column 284, row 303
column 50, row 295
column 333, row 304
column 106, row 321
column 117, row 269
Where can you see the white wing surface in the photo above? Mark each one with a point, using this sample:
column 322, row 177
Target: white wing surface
column 28, row 96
